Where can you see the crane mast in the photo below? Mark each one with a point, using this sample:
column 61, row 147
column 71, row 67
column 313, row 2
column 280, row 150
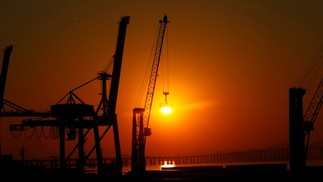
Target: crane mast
column 141, row 115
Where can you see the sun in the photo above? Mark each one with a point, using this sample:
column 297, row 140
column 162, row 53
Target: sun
column 166, row 109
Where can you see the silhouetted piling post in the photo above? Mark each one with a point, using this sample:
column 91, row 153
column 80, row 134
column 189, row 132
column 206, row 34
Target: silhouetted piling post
column 22, row 153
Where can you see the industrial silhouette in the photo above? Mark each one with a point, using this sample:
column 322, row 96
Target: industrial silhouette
column 77, row 119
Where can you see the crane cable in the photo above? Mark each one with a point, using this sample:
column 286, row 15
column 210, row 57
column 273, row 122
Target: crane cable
column 311, row 72
column 166, row 70
column 147, row 71
column 53, row 131
column 109, row 65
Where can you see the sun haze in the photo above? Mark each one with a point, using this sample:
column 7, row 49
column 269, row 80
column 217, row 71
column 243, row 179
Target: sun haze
column 231, row 64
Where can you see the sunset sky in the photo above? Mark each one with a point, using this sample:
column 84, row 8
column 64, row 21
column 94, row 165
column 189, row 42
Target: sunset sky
column 231, row 64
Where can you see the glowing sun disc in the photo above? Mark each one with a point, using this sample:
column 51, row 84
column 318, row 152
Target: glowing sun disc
column 166, row 109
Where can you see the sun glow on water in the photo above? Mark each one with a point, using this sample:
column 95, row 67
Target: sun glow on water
column 168, row 164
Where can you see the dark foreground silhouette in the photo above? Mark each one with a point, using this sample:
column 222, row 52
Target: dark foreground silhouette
column 13, row 170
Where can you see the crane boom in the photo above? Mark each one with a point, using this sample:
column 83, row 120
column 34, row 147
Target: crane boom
column 154, row 71
column 141, row 115
column 312, row 112
column 3, row 74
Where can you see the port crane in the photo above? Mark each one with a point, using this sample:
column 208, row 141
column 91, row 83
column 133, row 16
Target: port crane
column 302, row 124
column 141, row 116
column 77, row 118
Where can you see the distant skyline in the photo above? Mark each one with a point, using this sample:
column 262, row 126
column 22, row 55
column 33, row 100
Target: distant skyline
column 231, row 64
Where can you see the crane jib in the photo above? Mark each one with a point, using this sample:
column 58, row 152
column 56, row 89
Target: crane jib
column 141, row 115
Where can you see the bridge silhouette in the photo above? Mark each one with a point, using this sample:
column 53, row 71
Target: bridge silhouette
column 272, row 155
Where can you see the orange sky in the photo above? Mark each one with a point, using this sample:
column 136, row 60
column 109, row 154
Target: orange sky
column 231, row 64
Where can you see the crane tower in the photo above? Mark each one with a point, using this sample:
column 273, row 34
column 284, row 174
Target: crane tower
column 141, row 115
column 75, row 116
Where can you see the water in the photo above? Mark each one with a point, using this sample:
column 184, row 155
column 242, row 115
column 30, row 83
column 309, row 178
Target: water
column 126, row 169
